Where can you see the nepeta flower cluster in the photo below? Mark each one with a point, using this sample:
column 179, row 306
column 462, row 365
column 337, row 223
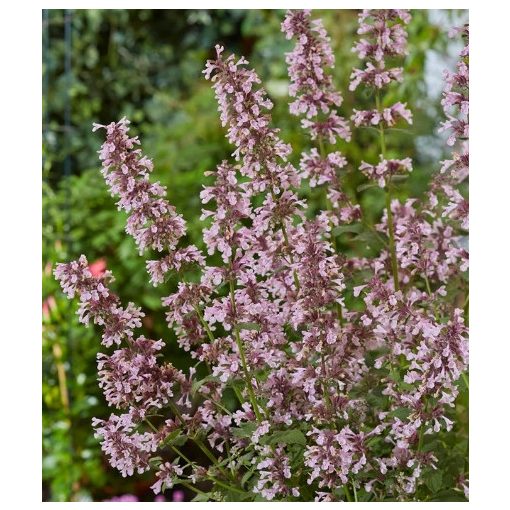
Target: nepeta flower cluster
column 153, row 222
column 97, row 303
column 342, row 366
column 311, row 83
column 385, row 37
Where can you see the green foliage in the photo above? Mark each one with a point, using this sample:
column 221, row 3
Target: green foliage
column 286, row 437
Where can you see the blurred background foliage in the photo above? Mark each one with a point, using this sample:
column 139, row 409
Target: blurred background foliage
column 101, row 65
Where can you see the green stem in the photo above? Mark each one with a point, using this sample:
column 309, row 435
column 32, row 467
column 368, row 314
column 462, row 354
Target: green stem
column 286, row 239
column 199, row 443
column 329, row 205
column 230, row 462
column 347, row 493
column 222, row 407
column 393, row 253
column 209, row 455
column 191, row 488
column 151, row 425
column 215, row 480
column 427, row 284
column 322, row 151
column 178, row 452
column 391, row 233
column 367, row 224
column 238, row 393
column 321, row 147
column 420, row 437
column 204, row 323
column 226, row 486
column 244, row 365
column 429, row 292
column 465, row 379
column 355, row 492
column 287, row 245
column 329, row 404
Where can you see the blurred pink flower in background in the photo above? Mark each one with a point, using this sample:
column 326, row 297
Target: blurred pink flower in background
column 177, row 496
column 98, row 267
column 48, row 304
column 124, row 498
column 131, row 498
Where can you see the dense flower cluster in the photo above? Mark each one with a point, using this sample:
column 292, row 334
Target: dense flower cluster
column 389, row 116
column 385, row 37
column 454, row 171
column 153, row 222
column 385, row 169
column 129, row 451
column 312, row 86
column 131, row 378
column 243, row 110
column 97, row 303
column 343, row 367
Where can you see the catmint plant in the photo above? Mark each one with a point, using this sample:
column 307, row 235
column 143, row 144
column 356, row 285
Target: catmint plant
column 344, row 368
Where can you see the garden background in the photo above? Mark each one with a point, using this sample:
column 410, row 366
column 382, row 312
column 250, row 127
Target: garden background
column 101, row 65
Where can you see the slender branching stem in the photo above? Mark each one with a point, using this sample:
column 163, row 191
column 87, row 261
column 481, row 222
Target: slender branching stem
column 199, row 442
column 240, row 347
column 391, row 232
column 347, row 493
column 190, row 487
column 204, row 323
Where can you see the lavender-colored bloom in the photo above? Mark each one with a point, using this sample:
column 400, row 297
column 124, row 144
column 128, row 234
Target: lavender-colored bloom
column 387, row 37
column 320, row 171
column 129, row 451
column 242, row 107
column 97, row 303
column 153, row 222
column 427, row 248
column 132, row 376
column 376, row 77
column 455, row 103
column 272, row 320
column 274, row 474
column 329, row 129
column 333, row 456
column 232, row 206
column 317, row 100
column 385, row 169
column 182, row 313
column 176, row 260
column 311, row 83
column 388, row 117
column 165, row 477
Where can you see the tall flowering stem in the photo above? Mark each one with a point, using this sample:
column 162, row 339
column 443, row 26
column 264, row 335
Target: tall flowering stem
column 262, row 153
column 385, row 37
column 153, row 221
column 391, row 228
column 455, row 103
column 263, row 157
column 239, row 343
column 315, row 98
